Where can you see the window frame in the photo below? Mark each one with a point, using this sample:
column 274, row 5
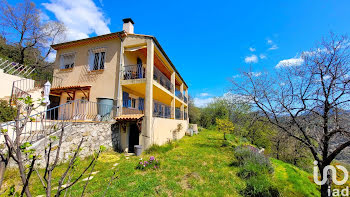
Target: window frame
column 70, row 66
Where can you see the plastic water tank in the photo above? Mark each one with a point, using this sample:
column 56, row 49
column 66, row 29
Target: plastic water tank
column 104, row 106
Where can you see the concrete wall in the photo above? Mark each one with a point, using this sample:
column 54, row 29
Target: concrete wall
column 104, row 81
column 164, row 130
column 6, row 82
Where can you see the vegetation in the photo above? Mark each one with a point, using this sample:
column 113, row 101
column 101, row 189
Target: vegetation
column 197, row 165
column 7, row 112
column 225, row 125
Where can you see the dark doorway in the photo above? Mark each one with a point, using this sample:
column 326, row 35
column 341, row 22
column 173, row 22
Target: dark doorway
column 133, row 137
column 53, row 113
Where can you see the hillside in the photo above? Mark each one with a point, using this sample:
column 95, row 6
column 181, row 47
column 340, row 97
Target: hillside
column 197, row 165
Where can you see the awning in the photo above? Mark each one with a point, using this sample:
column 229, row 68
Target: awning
column 129, row 117
column 70, row 90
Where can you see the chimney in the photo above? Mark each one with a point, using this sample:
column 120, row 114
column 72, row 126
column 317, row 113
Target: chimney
column 128, row 25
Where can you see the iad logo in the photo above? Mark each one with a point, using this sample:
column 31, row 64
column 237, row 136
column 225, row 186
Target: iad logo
column 333, row 174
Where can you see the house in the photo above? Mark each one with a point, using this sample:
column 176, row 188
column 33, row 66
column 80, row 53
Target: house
column 132, row 72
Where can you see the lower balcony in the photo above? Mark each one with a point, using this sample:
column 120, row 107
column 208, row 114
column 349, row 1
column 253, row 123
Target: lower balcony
column 161, row 110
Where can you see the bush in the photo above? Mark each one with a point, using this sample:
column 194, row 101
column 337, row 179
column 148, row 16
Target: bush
column 7, row 112
column 255, row 169
column 260, row 186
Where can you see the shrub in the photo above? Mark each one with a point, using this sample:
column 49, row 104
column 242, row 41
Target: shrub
column 7, row 112
column 152, row 163
column 259, row 186
column 255, row 169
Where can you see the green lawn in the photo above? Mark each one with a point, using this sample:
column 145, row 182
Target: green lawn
column 197, row 165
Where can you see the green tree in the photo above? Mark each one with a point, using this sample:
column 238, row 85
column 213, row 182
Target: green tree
column 225, row 125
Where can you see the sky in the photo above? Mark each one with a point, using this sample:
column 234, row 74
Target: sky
column 210, row 42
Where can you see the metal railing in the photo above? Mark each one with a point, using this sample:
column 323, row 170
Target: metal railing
column 161, row 110
column 185, row 115
column 14, row 68
column 178, row 114
column 126, row 111
column 162, row 79
column 137, row 71
column 179, row 94
column 48, row 122
column 185, row 99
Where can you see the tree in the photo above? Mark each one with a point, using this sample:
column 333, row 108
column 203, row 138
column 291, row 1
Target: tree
column 194, row 112
column 309, row 102
column 25, row 157
column 30, row 35
column 225, row 125
column 216, row 109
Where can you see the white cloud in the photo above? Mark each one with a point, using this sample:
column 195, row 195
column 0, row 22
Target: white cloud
column 202, row 102
column 81, row 18
column 273, row 46
column 251, row 59
column 252, row 49
column 262, row 56
column 290, row 62
column 204, row 94
column 51, row 57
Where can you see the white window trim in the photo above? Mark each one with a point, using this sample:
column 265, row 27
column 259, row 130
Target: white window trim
column 136, row 101
column 67, row 54
column 97, row 50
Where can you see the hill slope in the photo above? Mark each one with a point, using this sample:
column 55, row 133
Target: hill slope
column 197, row 165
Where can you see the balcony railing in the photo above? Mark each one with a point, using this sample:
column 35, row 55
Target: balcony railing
column 178, row 114
column 185, row 99
column 161, row 110
column 137, row 71
column 162, row 79
column 179, row 94
column 126, row 111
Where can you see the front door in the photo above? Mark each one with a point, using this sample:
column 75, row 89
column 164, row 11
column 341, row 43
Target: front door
column 133, row 137
column 54, row 102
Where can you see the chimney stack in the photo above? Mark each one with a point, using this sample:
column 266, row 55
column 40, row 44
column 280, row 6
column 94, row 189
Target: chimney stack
column 128, row 25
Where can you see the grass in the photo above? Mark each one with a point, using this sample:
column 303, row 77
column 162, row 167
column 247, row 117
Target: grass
column 192, row 166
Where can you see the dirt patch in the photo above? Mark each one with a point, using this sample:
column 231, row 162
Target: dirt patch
column 185, row 184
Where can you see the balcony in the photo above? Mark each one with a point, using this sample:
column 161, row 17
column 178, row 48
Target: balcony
column 185, row 116
column 178, row 114
column 162, row 79
column 185, row 99
column 137, row 71
column 179, row 94
column 161, row 110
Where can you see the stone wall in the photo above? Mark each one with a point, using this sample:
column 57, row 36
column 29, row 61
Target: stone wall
column 94, row 134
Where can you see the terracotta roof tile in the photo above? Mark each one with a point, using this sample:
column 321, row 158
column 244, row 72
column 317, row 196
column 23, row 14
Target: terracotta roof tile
column 129, row 117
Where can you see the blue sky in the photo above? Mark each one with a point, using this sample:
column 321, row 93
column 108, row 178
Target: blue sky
column 211, row 41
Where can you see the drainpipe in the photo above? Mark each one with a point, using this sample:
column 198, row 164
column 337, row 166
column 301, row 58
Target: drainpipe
column 121, row 59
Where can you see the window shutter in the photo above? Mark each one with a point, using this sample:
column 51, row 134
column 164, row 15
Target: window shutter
column 61, row 62
column 125, row 99
column 141, row 104
column 91, row 61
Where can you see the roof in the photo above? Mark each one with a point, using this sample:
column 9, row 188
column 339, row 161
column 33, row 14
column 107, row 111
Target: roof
column 115, row 35
column 129, row 117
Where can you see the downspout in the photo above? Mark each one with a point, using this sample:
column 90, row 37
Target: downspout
column 121, row 59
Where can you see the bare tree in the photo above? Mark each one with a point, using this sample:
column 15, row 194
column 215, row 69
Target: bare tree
column 309, row 102
column 28, row 31
column 19, row 150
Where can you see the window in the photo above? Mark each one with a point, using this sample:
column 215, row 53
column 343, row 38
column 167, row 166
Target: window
column 67, row 61
column 99, row 61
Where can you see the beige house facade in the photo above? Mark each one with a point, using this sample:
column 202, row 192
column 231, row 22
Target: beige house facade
column 132, row 72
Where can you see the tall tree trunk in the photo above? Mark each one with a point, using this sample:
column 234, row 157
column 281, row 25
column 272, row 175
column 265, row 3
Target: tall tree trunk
column 324, row 188
column 224, row 136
